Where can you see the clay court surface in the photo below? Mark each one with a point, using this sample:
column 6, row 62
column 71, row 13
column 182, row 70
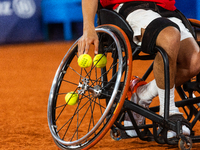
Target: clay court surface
column 27, row 71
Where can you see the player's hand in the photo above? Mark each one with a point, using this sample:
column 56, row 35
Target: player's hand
column 89, row 37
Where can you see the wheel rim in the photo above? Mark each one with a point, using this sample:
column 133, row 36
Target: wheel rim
column 51, row 119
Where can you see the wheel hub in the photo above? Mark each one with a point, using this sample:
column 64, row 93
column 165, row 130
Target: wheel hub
column 84, row 86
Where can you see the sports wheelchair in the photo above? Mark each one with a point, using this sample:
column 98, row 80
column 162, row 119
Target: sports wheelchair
column 103, row 102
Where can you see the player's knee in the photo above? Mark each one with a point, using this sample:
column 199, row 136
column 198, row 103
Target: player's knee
column 192, row 66
column 168, row 37
column 195, row 65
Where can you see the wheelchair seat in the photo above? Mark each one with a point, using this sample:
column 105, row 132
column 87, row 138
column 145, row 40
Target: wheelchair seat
column 107, row 16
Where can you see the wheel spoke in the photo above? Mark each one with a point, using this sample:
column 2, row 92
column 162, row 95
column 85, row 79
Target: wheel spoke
column 99, row 91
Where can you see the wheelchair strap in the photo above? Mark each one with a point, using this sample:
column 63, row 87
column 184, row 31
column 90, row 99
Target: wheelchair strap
column 152, row 31
column 129, row 7
column 179, row 117
column 156, row 26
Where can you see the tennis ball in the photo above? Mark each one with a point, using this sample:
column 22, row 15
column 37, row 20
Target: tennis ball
column 100, row 61
column 84, row 61
column 71, row 98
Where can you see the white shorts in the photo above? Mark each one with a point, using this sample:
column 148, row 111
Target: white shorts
column 141, row 18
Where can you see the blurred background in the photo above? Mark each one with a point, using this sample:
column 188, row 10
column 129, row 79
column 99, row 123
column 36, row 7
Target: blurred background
column 34, row 37
column 49, row 20
column 39, row 20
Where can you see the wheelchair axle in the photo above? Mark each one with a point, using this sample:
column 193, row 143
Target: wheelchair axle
column 96, row 90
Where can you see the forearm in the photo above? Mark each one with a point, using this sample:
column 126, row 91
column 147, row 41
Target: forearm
column 89, row 8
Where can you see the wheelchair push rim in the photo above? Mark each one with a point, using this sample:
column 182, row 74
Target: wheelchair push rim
column 73, row 144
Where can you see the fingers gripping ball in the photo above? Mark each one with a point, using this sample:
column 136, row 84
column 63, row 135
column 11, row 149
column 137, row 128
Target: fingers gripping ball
column 100, row 61
column 71, row 98
column 84, row 61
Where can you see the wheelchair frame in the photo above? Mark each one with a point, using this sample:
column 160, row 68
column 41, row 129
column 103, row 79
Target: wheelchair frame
column 122, row 30
column 157, row 119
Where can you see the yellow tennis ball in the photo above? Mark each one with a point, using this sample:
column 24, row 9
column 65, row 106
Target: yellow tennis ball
column 71, row 98
column 100, row 61
column 84, row 61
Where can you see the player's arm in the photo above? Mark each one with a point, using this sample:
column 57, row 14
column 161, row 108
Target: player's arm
column 89, row 8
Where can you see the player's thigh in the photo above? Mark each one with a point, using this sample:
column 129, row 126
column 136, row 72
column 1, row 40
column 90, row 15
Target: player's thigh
column 139, row 20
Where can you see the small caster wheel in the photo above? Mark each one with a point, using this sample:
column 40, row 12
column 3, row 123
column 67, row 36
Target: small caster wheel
column 115, row 134
column 183, row 145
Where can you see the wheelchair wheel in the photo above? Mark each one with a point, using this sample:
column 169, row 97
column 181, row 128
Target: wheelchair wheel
column 102, row 92
column 185, row 146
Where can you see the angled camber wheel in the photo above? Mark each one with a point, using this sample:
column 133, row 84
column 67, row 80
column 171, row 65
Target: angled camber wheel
column 101, row 92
